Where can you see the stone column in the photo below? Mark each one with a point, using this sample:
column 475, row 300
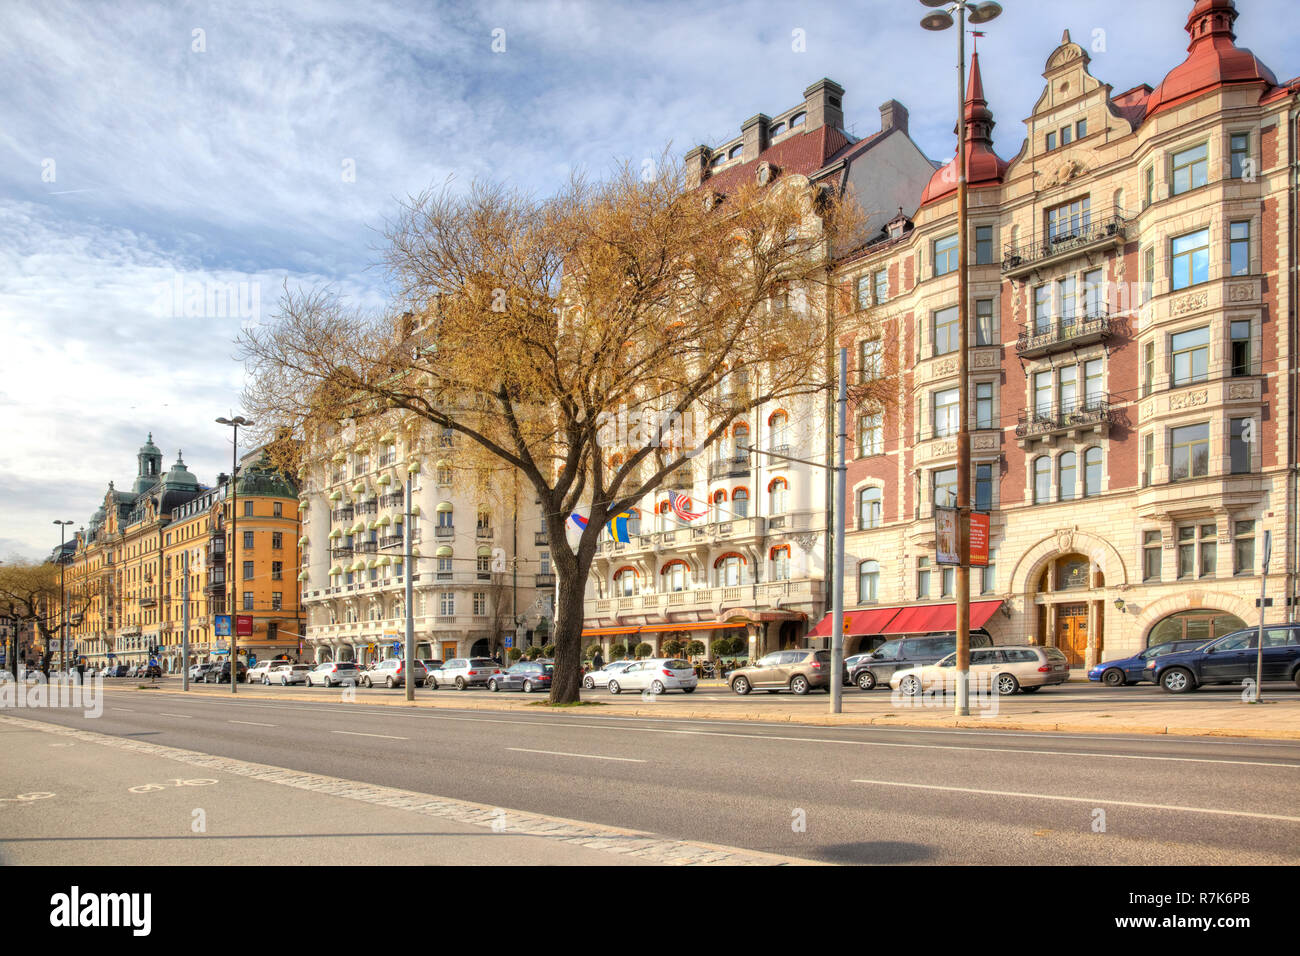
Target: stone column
column 1090, row 657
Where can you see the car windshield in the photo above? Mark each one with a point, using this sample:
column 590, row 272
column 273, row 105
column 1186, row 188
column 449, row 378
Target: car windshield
column 482, row 662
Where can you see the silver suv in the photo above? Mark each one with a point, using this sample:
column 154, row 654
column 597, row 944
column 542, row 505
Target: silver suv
column 392, row 673
column 465, row 672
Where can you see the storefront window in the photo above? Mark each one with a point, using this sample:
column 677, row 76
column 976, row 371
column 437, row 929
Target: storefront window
column 1194, row 626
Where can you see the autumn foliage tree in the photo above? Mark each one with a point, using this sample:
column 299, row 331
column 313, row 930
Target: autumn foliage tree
column 30, row 594
column 593, row 341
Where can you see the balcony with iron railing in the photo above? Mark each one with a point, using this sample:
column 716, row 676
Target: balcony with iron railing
column 1066, row 332
column 483, row 531
column 368, row 508
column 1089, row 232
column 386, row 460
column 1079, row 417
column 390, row 541
column 395, row 500
column 734, row 466
column 444, row 531
column 541, row 539
column 544, row 580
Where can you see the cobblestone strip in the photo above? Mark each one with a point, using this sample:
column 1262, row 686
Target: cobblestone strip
column 634, row 843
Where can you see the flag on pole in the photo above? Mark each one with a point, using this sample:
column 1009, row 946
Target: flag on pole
column 618, row 527
column 681, row 505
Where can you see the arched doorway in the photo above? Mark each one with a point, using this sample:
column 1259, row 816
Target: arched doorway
column 481, row 648
column 1070, row 615
column 789, row 635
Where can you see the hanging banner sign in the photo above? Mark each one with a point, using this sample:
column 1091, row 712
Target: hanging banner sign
column 979, row 540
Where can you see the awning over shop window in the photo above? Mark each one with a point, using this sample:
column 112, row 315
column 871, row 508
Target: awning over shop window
column 857, row 623
column 914, row 619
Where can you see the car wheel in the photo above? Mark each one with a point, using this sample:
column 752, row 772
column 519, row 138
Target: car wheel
column 328, row 683
column 1177, row 681
column 284, row 682
column 1031, row 690
column 657, row 687
column 1296, row 677
column 588, row 683
column 740, row 685
column 492, row 686
column 266, row 681
column 460, row 683
column 613, row 687
column 910, row 685
column 799, row 684
column 866, row 681
column 433, row 684
column 528, row 687
column 389, row 683
column 1114, row 678
column 1007, row 684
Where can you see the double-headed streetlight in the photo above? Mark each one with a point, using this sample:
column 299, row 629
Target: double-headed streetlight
column 975, row 13
column 234, row 543
column 63, row 599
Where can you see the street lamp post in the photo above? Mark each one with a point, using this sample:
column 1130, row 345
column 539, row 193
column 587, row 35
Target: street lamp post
column 63, row 597
column 942, row 20
column 234, row 544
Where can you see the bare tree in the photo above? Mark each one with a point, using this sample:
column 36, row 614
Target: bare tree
column 594, row 341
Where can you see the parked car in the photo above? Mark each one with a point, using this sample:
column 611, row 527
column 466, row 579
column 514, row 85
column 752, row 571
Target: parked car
column 431, row 665
column 1132, row 670
column 151, row 670
column 1006, row 669
column 198, row 670
column 220, row 673
column 120, row 670
column 331, row 673
column 601, row 677
column 526, row 676
column 799, row 670
column 392, row 673
column 465, row 672
column 904, row 652
column 291, row 674
column 1230, row 660
column 257, row 673
column 657, row 675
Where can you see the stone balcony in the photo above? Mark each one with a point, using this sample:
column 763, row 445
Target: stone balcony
column 701, row 603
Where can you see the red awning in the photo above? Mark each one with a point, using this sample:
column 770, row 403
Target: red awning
column 933, row 618
column 857, row 623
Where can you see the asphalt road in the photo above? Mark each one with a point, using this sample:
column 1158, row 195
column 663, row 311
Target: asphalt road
column 841, row 795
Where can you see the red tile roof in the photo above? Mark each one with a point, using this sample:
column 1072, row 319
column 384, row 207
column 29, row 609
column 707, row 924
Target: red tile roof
column 804, row 153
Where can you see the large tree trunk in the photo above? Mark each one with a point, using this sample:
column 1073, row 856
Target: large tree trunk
column 571, row 577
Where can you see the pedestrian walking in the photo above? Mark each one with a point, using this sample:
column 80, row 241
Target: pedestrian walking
column 597, row 662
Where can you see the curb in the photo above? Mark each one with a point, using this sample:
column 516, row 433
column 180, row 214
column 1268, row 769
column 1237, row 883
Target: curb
column 1049, row 725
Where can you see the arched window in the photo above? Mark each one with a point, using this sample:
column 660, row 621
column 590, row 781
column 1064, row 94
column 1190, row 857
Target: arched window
column 779, row 429
column 778, row 496
column 1042, row 479
column 445, row 515
column 444, row 557
column 735, row 151
column 720, row 496
column 868, row 582
column 1066, row 475
column 798, row 119
column 1092, row 472
column 740, row 503
column 869, row 500
column 776, row 130
column 1196, row 625
column 780, row 558
column 625, row 580
column 674, row 576
column 728, row 569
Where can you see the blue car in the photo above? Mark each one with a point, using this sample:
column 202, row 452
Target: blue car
column 1232, row 659
column 1132, row 670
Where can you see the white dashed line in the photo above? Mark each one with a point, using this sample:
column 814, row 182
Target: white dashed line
column 181, row 716
column 251, row 723
column 561, row 753
column 353, row 733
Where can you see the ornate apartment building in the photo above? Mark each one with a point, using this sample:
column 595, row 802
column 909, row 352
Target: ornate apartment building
column 481, row 565
column 133, row 554
column 1132, row 364
column 753, row 564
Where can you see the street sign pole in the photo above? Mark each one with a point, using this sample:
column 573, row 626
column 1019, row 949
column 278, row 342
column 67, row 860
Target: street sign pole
column 841, row 503
column 410, row 621
column 185, row 620
column 1259, row 650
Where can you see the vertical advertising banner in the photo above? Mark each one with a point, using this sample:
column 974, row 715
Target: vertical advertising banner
column 979, row 540
column 945, row 536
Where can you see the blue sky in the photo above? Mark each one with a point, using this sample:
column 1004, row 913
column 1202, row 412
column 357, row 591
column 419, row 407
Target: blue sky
column 152, row 155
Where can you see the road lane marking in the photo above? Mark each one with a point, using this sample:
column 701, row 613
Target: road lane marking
column 353, row 733
column 127, row 709
column 251, row 723
column 562, row 753
column 163, row 713
column 1095, row 801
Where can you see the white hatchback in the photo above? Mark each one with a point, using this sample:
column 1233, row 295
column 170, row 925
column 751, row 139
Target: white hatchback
column 657, row 675
column 601, row 677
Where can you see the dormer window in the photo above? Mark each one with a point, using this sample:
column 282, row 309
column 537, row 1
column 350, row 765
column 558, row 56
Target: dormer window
column 735, row 151
column 776, row 130
column 798, row 119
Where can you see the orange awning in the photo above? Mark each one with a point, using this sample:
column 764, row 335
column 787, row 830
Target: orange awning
column 607, row 631
column 932, row 618
column 857, row 623
column 688, row 626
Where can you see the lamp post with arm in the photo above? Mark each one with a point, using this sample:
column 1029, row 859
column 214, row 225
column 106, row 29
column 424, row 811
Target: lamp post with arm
column 63, row 597
column 234, row 544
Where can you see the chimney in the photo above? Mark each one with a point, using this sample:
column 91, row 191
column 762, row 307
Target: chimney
column 222, row 479
column 754, row 138
column 893, row 115
column 823, row 102
column 697, row 165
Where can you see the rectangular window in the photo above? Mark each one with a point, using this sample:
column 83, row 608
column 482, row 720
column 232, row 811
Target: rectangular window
column 1042, row 308
column 864, row 291
column 1240, row 153
column 988, row 573
column 871, row 440
column 945, row 488
column 1191, row 168
column 1189, row 452
column 1241, row 433
column 248, row 540
column 277, row 598
column 983, row 245
column 447, row 603
column 1148, row 273
column 1241, row 347
column 945, row 255
column 1069, row 389
column 1067, row 136
column 882, row 286
column 277, row 540
column 480, row 603
column 248, row 570
column 1208, row 565
column 1068, row 301
column 1068, row 219
column 1239, row 248
column 248, row 509
column 945, row 331
column 1043, row 394
column 1051, row 142
column 983, row 322
column 983, row 404
column 947, row 579
column 1093, row 382
column 1191, row 259
column 277, row 571
column 1094, row 290
column 248, row 600
column 870, row 359
column 1151, row 555
column 1186, row 551
column 277, row 509
column 1148, row 368
column 1191, row 355
column 944, row 413
column 1148, row 186
column 1243, row 547
column 1081, row 129
column 922, row 578
column 984, row 488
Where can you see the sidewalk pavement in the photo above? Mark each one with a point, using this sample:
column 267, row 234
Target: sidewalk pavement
column 1194, row 715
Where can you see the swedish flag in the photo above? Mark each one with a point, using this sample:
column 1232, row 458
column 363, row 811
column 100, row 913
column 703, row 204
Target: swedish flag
column 618, row 527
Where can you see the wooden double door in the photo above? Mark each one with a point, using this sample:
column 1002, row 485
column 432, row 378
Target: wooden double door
column 1072, row 632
